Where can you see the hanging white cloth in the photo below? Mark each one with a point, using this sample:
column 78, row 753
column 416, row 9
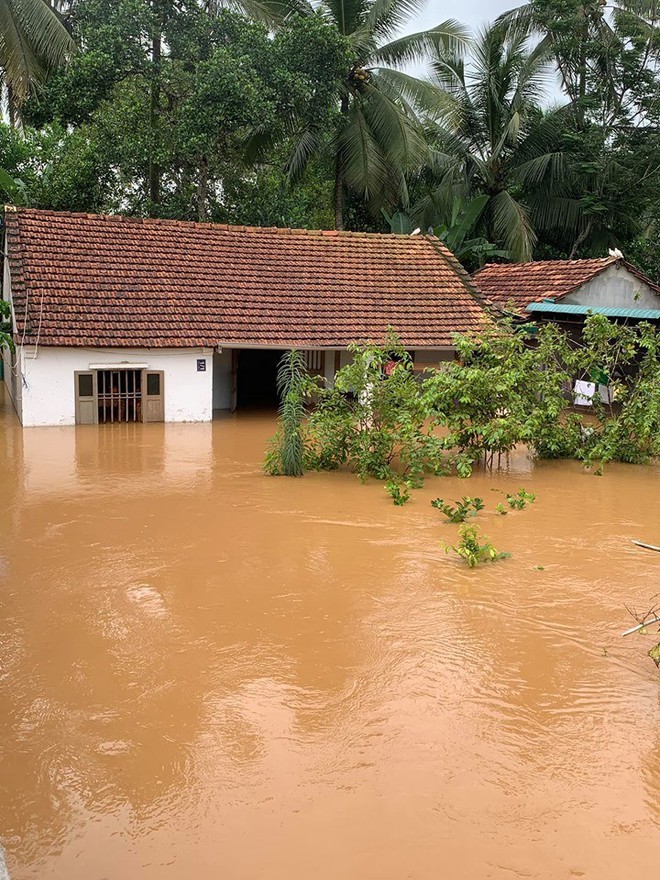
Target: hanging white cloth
column 584, row 392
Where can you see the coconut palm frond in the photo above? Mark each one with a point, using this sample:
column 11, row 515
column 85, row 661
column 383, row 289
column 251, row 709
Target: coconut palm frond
column 548, row 167
column 403, row 136
column 522, row 18
column 447, row 37
column 347, row 15
column 421, row 94
column 512, row 225
column 272, row 12
column 364, row 165
column 308, row 144
column 33, row 40
column 556, row 212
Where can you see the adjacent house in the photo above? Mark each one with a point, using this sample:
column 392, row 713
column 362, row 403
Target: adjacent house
column 123, row 319
column 566, row 291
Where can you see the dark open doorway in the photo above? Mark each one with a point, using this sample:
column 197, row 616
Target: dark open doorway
column 257, row 378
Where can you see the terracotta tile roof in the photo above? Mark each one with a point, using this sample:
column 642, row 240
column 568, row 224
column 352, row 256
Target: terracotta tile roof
column 519, row 284
column 91, row 280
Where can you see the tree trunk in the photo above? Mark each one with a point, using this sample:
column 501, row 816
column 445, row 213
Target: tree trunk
column 202, row 188
column 339, row 196
column 11, row 106
column 154, row 168
column 339, row 178
column 580, row 240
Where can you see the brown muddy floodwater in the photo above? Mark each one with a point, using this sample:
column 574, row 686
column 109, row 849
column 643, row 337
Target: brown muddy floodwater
column 208, row 673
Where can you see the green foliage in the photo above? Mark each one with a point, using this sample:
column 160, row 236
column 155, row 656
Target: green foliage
column 627, row 428
column 6, row 340
column 472, row 252
column 607, row 58
column 167, row 135
column 453, row 228
column 520, row 500
column 461, row 510
column 33, row 41
column 376, row 137
column 471, row 550
column 501, row 509
column 308, row 115
column 501, row 392
column 498, row 144
column 381, row 420
column 374, row 421
column 398, row 492
column 654, row 654
column 400, row 223
column 12, row 187
column 285, row 455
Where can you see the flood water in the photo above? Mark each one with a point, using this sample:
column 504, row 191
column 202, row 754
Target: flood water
column 207, row 672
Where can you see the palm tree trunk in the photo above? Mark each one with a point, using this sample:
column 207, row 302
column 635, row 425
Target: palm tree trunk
column 339, row 178
column 154, row 105
column 339, row 196
column 11, row 106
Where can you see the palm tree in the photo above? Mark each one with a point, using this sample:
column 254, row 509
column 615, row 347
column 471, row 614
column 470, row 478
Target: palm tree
column 500, row 141
column 33, row 41
column 377, row 137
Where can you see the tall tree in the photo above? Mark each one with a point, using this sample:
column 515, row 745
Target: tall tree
column 168, row 139
column 608, row 58
column 495, row 140
column 33, row 41
column 376, row 137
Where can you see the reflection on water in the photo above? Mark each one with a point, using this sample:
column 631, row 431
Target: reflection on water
column 207, row 672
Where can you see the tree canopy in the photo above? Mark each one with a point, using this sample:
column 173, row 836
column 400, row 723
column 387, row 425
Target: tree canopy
column 536, row 137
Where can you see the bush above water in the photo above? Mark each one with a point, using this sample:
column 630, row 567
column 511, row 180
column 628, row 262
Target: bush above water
column 382, row 420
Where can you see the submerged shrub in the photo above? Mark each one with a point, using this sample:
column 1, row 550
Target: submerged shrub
column 398, row 492
column 520, row 500
column 506, row 388
column 374, row 420
column 471, row 550
column 461, row 510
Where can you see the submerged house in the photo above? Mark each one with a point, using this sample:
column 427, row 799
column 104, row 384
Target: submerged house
column 120, row 319
column 565, row 291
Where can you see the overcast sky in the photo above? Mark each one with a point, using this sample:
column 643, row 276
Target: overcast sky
column 470, row 12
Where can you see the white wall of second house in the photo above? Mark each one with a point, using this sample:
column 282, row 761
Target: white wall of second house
column 613, row 289
column 47, row 379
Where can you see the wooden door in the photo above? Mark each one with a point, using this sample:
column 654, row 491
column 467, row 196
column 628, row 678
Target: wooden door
column 87, row 407
column 153, row 396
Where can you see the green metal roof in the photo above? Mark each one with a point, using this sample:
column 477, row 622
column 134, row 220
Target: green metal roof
column 568, row 309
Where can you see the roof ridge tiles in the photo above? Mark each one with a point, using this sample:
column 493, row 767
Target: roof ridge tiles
column 193, row 224
column 115, row 281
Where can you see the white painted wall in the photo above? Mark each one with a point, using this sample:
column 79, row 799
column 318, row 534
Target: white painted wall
column 615, row 288
column 222, row 379
column 48, row 393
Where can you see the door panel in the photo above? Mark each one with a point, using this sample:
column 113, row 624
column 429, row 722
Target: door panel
column 153, row 396
column 85, row 389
